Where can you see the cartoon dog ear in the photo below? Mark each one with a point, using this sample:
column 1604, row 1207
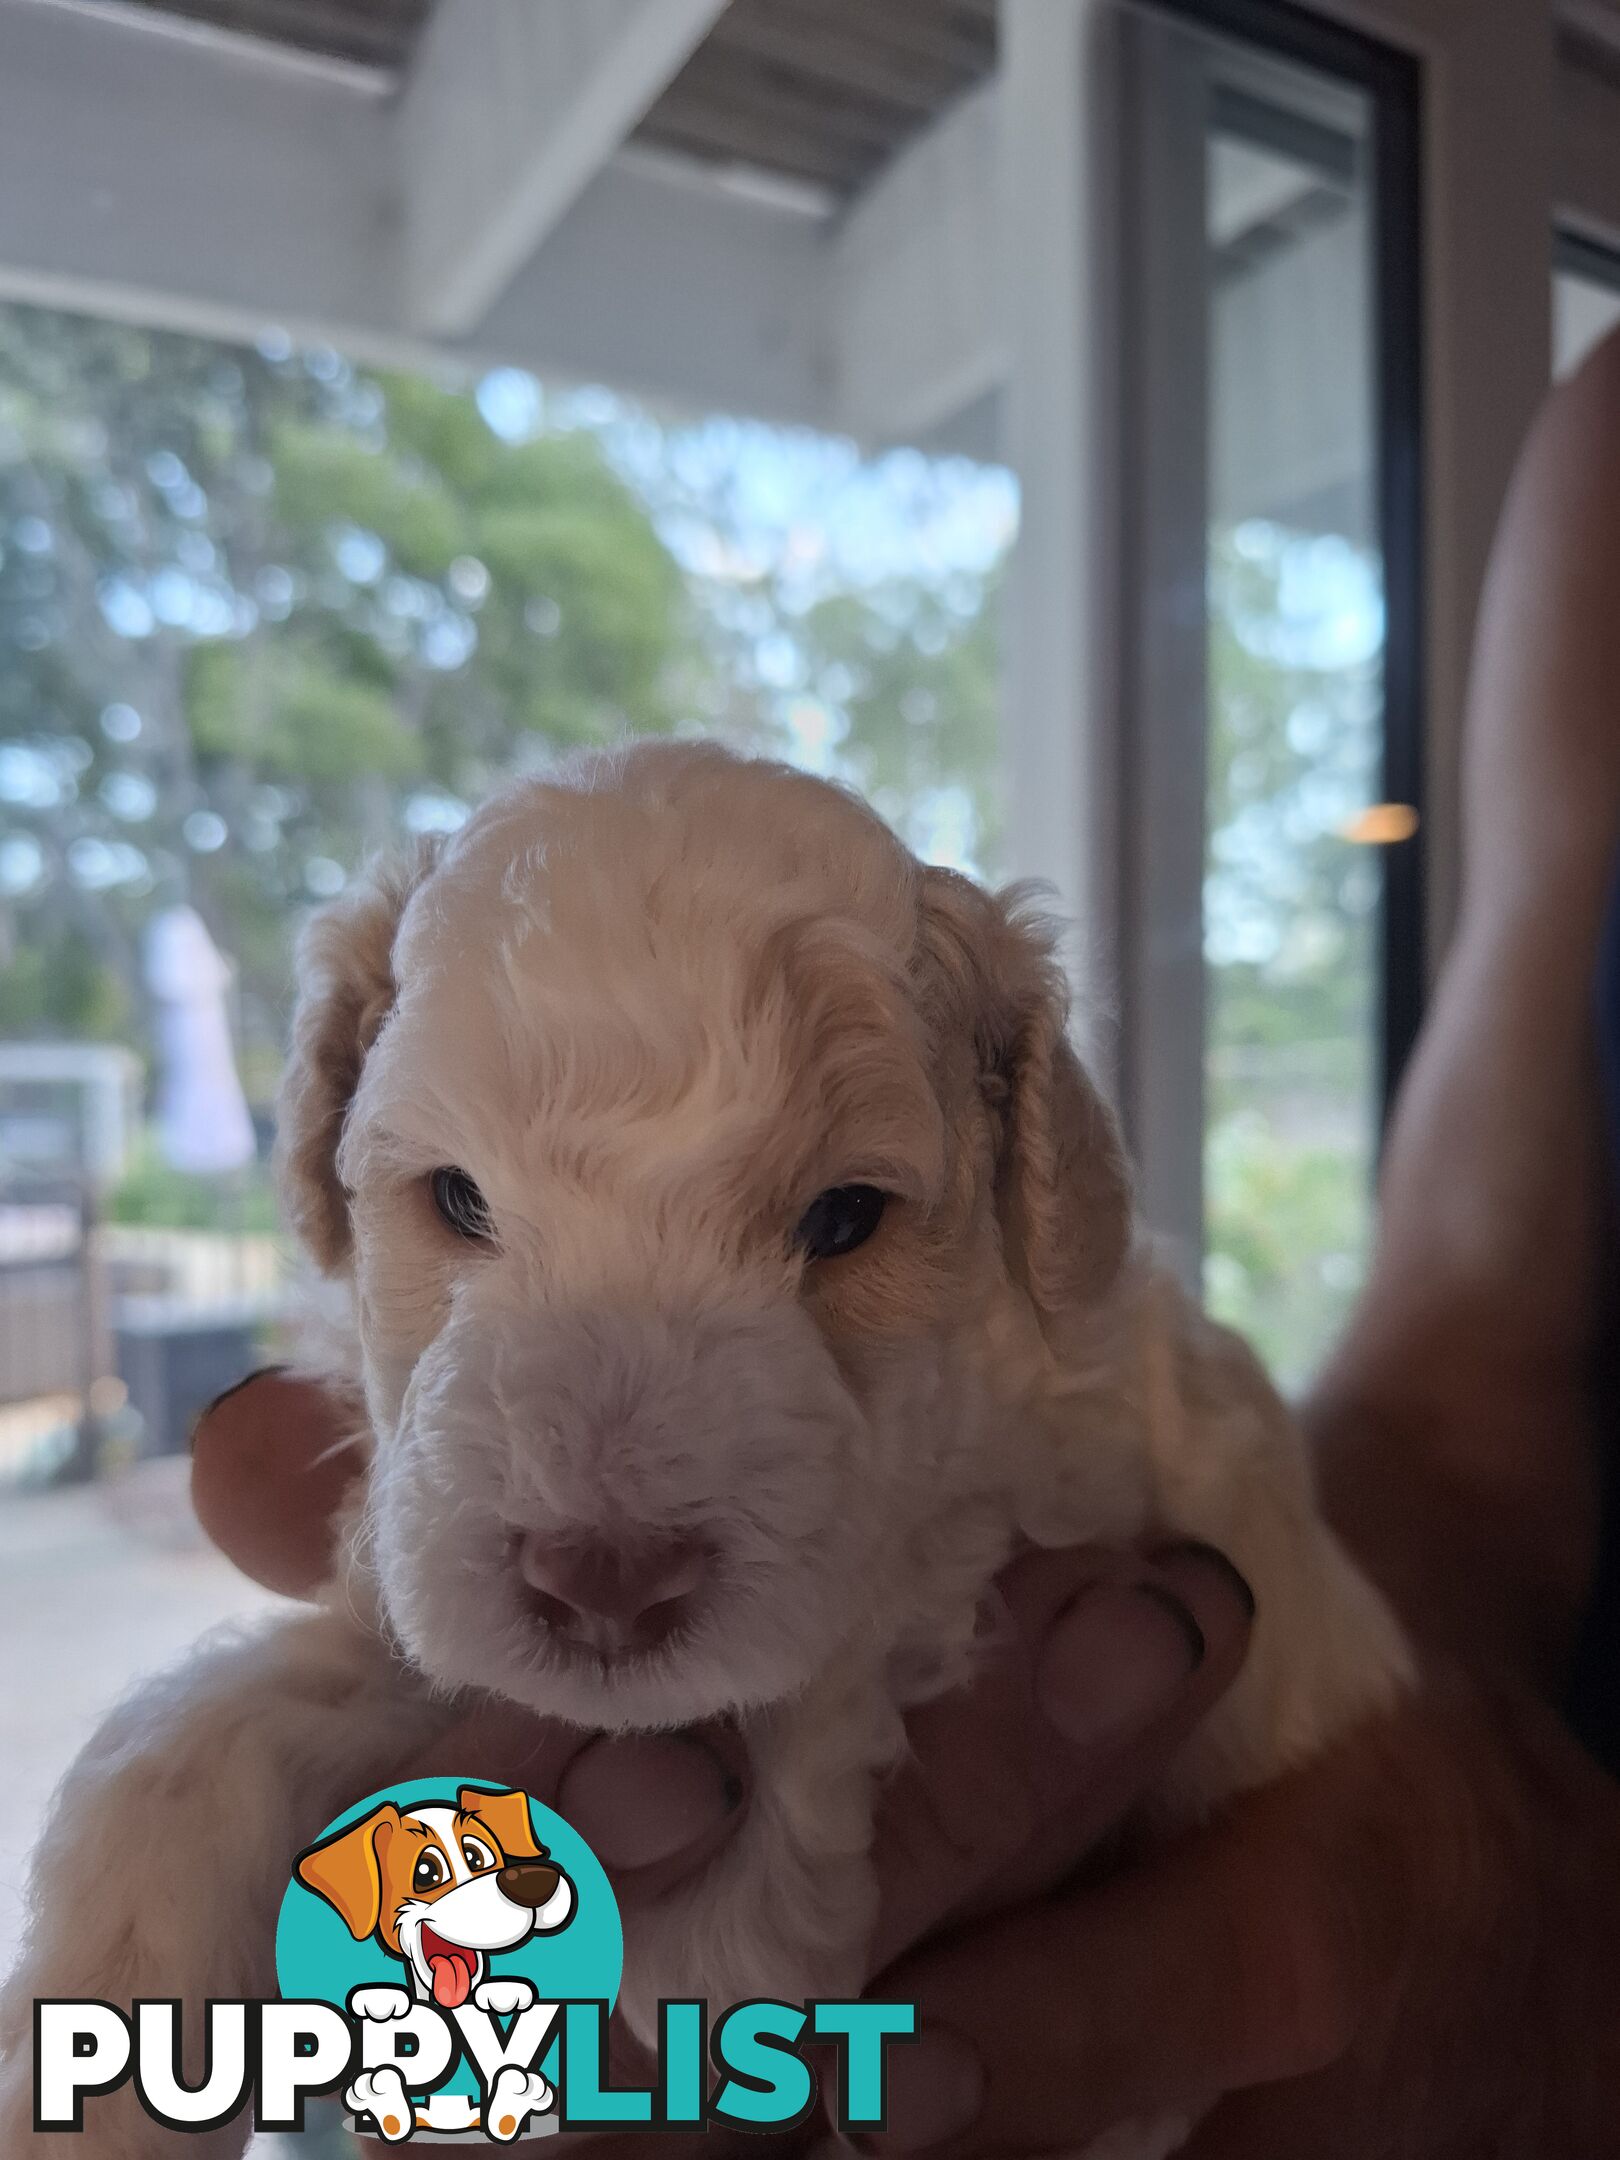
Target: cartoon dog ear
column 346, row 1870
column 505, row 1815
column 1063, row 1192
column 346, row 990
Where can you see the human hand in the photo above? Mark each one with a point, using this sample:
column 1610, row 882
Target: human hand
column 1409, row 1948
column 1097, row 1666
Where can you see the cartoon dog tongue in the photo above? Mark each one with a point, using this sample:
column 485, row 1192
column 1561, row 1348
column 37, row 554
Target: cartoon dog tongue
column 453, row 1969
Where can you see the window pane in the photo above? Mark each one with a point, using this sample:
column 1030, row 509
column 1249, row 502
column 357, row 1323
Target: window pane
column 1291, row 894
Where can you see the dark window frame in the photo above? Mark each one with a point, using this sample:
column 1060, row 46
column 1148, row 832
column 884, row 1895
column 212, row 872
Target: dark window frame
column 1392, row 81
column 1574, row 255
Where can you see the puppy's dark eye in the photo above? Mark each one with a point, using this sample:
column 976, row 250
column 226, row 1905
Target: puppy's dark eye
column 427, row 1874
column 461, row 1204
column 839, row 1220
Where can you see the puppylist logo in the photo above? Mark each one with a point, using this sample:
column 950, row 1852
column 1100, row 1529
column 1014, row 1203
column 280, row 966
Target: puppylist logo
column 455, row 1919
column 448, row 1954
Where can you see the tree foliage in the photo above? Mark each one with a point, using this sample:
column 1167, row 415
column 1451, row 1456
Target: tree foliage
column 1289, row 927
column 260, row 608
column 256, row 608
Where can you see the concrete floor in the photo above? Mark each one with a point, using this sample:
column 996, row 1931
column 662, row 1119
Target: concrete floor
column 99, row 1585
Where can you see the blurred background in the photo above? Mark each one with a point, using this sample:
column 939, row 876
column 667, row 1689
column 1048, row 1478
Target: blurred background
column 1076, row 425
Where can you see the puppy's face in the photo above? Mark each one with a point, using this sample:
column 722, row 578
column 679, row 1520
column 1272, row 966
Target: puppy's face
column 680, row 1133
column 442, row 1888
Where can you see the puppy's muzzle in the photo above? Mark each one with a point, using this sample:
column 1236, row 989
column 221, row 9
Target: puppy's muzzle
column 529, row 1883
column 614, row 1599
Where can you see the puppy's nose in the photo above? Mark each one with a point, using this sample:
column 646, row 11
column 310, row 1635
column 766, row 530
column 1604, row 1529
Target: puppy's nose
column 613, row 1597
column 529, row 1882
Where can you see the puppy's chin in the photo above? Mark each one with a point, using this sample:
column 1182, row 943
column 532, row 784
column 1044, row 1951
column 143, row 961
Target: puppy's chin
column 654, row 1689
column 746, row 1655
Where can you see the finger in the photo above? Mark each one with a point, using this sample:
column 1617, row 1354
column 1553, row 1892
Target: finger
column 272, row 1463
column 1237, row 1958
column 1101, row 1665
column 653, row 1807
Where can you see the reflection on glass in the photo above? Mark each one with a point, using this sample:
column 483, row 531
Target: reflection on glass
column 1295, row 726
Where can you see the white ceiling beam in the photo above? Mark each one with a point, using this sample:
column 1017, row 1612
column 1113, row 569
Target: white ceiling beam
column 914, row 305
column 663, row 282
column 917, row 306
column 1294, row 441
column 222, row 192
column 157, row 178
column 1249, row 187
column 510, row 110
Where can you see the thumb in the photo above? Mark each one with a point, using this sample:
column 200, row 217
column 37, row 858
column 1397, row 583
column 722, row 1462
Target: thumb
column 1102, row 1664
column 273, row 1462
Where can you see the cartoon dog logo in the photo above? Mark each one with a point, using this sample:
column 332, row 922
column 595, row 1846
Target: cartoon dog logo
column 443, row 1889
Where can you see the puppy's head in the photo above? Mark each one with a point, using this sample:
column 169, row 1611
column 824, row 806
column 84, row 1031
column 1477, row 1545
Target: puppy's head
column 442, row 1887
column 680, row 1134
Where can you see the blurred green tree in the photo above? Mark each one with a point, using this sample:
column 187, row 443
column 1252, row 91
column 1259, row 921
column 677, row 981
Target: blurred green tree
column 1290, row 927
column 257, row 608
column 911, row 673
column 261, row 608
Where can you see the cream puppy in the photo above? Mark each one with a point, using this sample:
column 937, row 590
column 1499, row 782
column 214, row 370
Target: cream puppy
column 740, row 1265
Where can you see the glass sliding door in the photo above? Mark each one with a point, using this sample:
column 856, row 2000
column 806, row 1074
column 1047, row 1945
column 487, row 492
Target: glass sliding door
column 1274, row 896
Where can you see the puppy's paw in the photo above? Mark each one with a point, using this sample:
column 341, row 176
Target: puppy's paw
column 504, row 1998
column 381, row 2095
column 515, row 2096
column 377, row 2005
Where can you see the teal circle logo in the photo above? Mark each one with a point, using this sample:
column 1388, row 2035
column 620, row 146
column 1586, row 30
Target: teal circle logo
column 444, row 1913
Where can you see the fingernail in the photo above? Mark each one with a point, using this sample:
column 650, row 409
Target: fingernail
column 1115, row 1661
column 936, row 2091
column 259, row 1372
column 1211, row 1556
column 645, row 1798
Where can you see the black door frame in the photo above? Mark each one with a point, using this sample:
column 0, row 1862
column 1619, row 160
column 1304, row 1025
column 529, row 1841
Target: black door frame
column 1393, row 83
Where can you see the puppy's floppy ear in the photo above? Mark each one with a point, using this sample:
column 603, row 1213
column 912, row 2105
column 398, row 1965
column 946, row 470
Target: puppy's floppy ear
column 1062, row 1188
column 345, row 992
column 346, row 1870
column 506, row 1816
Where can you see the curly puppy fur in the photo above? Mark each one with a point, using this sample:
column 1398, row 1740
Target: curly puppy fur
column 654, row 1006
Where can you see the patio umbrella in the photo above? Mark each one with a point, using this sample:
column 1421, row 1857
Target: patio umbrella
column 202, row 1121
